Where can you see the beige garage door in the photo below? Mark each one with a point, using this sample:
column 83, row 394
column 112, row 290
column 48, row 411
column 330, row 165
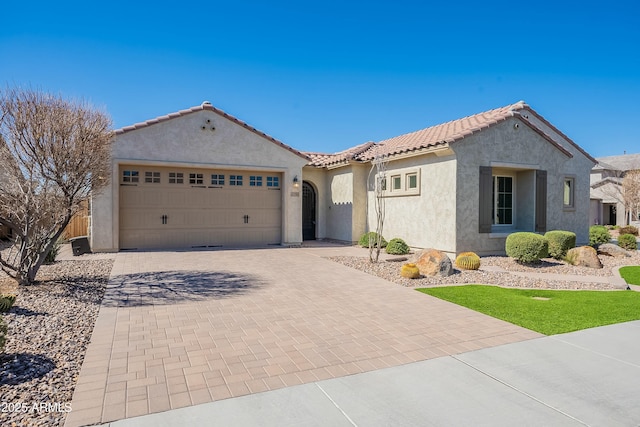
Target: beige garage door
column 182, row 208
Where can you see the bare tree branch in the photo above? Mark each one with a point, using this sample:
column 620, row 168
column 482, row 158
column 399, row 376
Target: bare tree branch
column 53, row 154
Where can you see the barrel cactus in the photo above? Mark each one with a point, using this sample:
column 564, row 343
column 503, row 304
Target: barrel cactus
column 6, row 302
column 468, row 261
column 410, row 271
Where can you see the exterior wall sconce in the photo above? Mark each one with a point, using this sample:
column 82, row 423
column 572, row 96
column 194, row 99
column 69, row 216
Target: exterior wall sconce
column 295, row 182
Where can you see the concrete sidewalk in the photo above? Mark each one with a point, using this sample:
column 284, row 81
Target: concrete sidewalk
column 589, row 377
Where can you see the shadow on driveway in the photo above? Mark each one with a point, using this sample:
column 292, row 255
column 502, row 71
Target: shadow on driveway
column 174, row 287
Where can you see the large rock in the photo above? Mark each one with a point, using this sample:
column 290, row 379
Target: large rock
column 432, row 262
column 610, row 249
column 584, row 256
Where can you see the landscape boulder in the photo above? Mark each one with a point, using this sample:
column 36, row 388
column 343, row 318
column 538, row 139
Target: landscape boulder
column 610, row 249
column 432, row 262
column 584, row 256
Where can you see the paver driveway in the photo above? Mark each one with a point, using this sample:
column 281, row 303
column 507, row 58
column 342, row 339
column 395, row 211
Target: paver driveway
column 184, row 328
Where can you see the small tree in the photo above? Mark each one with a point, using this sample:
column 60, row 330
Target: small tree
column 53, row 153
column 631, row 195
column 379, row 165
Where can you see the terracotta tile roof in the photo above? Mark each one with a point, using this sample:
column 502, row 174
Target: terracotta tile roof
column 206, row 105
column 623, row 162
column 443, row 134
column 343, row 157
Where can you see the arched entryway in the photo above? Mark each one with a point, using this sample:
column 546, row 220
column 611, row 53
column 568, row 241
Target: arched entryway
column 308, row 211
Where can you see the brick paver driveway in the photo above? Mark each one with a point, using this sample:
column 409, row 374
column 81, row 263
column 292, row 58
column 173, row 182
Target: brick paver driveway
column 183, row 328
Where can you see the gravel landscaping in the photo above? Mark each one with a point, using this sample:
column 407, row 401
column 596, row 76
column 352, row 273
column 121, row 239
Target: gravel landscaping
column 50, row 327
column 390, row 270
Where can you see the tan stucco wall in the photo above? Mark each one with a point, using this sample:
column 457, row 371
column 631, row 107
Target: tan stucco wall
column 340, row 204
column 519, row 147
column 426, row 220
column 181, row 141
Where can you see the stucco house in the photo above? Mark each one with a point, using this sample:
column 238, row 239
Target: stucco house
column 607, row 203
column 202, row 178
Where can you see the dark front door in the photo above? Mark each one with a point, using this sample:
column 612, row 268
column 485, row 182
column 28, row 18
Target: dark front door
column 308, row 212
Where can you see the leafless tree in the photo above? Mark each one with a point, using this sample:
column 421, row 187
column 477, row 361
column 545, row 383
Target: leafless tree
column 631, row 195
column 53, row 153
column 379, row 166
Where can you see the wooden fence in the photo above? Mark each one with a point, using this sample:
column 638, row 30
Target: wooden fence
column 79, row 224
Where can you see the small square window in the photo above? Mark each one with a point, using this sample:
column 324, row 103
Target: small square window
column 176, row 178
column 255, row 181
column 412, row 181
column 569, row 184
column 217, row 179
column 196, row 178
column 235, row 180
column 130, row 176
column 273, row 181
column 152, row 177
column 396, row 183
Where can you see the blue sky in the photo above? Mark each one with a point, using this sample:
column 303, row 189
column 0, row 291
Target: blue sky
column 327, row 76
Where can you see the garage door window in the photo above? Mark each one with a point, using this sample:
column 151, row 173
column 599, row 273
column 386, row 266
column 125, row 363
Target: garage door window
column 176, row 178
column 130, row 176
column 235, row 180
column 273, row 181
column 217, row 179
column 255, row 181
column 196, row 178
column 152, row 177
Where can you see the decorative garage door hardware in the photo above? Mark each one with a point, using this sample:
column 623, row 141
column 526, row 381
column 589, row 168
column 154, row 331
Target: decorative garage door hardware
column 165, row 219
column 246, row 219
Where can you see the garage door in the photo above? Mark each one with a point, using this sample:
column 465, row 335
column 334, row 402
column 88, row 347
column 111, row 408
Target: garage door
column 182, row 208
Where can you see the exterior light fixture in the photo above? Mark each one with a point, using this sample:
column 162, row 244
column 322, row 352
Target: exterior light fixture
column 295, row 182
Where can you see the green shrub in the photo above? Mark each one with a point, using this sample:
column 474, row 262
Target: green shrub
column 3, row 334
column 526, row 247
column 364, row 240
column 629, row 229
column 6, row 302
column 397, row 247
column 598, row 234
column 628, row 242
column 560, row 242
column 53, row 253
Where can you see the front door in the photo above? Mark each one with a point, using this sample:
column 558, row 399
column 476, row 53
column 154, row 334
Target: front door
column 308, row 212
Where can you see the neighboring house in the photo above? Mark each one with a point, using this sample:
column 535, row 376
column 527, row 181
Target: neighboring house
column 607, row 201
column 200, row 177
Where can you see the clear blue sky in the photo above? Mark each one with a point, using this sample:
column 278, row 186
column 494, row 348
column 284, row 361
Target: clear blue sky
column 324, row 76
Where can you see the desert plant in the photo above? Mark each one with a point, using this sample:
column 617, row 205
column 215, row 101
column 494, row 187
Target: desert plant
column 3, row 334
column 468, row 261
column 560, row 242
column 397, row 247
column 526, row 247
column 628, row 229
column 6, row 302
column 598, row 234
column 628, row 242
column 371, row 237
column 53, row 253
column 410, row 271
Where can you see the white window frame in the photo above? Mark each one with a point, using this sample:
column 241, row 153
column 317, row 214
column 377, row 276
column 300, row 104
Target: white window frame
column 130, row 176
column 152, row 177
column 196, row 178
column 273, row 181
column 176, row 177
column 217, row 179
column 236, row 180
column 397, row 184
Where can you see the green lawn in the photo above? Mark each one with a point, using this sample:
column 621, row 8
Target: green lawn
column 545, row 311
column 631, row 274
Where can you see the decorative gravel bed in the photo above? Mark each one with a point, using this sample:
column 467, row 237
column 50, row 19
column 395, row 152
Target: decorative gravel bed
column 390, row 270
column 50, row 326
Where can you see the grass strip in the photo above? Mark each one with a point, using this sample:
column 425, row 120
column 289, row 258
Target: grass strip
column 631, row 274
column 548, row 312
